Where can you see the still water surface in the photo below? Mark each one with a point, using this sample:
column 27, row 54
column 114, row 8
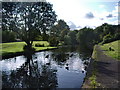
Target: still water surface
column 60, row 68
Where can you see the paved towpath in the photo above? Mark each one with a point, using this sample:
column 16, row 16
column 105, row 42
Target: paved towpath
column 108, row 71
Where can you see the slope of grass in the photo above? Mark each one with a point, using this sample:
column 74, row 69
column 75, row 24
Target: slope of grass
column 14, row 47
column 115, row 53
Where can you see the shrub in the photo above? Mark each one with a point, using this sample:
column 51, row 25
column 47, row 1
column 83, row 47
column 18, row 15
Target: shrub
column 53, row 41
column 8, row 36
column 38, row 38
column 67, row 40
column 108, row 38
column 39, row 45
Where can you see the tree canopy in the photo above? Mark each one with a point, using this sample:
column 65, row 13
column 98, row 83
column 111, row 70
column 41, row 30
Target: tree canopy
column 28, row 18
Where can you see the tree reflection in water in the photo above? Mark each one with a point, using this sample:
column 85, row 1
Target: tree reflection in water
column 31, row 75
column 61, row 67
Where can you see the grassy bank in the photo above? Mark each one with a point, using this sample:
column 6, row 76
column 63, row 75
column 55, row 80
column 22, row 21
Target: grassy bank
column 114, row 52
column 15, row 47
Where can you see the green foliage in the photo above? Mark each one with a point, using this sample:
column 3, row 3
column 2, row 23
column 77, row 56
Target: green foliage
column 45, row 37
column 113, row 53
column 38, row 38
column 53, row 41
column 62, row 25
column 59, row 30
column 86, row 37
column 117, row 36
column 93, row 78
column 67, row 40
column 29, row 19
column 39, row 45
column 93, row 83
column 108, row 38
column 72, row 35
column 107, row 33
column 63, row 33
column 8, row 36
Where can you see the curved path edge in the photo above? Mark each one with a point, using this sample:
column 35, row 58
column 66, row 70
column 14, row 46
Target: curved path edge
column 108, row 73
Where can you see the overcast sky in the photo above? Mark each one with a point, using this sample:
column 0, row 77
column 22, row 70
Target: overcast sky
column 81, row 13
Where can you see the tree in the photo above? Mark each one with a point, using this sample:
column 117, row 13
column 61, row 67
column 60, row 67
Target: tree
column 58, row 29
column 63, row 33
column 107, row 38
column 67, row 40
column 62, row 25
column 86, row 37
column 72, row 35
column 107, row 33
column 53, row 41
column 8, row 36
column 30, row 19
column 7, row 15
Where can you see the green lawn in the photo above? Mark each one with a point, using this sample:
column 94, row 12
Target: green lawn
column 14, row 47
column 114, row 45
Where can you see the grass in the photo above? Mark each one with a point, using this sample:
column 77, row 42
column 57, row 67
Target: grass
column 94, row 54
column 113, row 53
column 93, row 82
column 93, row 78
column 15, row 47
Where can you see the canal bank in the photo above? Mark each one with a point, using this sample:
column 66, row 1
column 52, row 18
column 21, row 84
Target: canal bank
column 12, row 49
column 11, row 55
column 103, row 71
column 90, row 72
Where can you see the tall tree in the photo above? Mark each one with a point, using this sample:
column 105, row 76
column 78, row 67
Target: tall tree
column 57, row 29
column 72, row 35
column 86, row 37
column 30, row 18
column 7, row 15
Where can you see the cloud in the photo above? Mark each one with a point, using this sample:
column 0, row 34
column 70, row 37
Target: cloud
column 73, row 26
column 109, row 16
column 101, row 18
column 89, row 15
column 83, row 14
column 101, row 6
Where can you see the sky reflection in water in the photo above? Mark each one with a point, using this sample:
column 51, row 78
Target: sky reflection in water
column 48, row 69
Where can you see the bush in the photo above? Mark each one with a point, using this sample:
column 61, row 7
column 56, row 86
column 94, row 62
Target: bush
column 53, row 41
column 8, row 36
column 108, row 38
column 39, row 45
column 67, row 40
column 38, row 38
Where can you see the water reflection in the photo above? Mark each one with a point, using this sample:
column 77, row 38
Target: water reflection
column 60, row 68
column 31, row 74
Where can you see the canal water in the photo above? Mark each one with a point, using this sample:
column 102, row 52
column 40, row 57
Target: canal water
column 64, row 67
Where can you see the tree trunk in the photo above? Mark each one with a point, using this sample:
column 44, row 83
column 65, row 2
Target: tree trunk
column 29, row 45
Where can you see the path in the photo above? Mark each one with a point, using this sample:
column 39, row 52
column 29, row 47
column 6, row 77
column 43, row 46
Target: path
column 108, row 71
column 108, row 74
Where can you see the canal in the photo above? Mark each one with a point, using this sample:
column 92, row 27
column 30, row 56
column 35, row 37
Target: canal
column 64, row 67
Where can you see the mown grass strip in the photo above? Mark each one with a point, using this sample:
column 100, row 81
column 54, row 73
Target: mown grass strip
column 115, row 52
column 17, row 47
